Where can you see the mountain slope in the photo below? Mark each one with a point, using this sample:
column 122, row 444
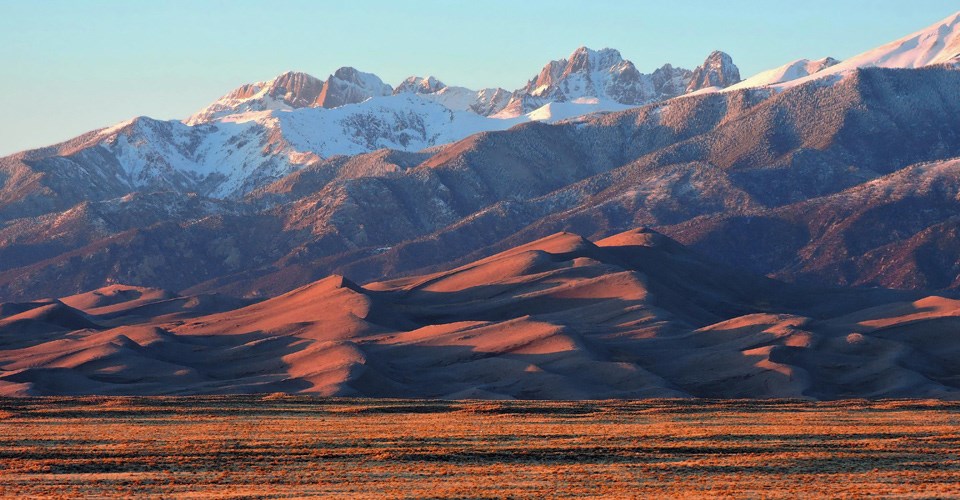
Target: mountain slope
column 938, row 44
column 696, row 169
column 893, row 231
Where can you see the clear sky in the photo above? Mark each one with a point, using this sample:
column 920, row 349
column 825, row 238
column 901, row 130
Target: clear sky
column 69, row 66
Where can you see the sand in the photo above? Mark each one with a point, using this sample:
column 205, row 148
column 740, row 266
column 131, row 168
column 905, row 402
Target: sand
column 635, row 315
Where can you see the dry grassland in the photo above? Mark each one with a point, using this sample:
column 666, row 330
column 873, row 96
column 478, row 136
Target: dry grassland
column 281, row 446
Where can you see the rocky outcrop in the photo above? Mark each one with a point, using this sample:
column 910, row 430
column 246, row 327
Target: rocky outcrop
column 419, row 85
column 717, row 71
column 349, row 86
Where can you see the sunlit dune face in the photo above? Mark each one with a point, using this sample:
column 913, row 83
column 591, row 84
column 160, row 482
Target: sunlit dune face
column 930, row 307
column 324, row 309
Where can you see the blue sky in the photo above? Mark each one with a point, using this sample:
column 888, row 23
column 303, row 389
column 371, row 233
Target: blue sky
column 73, row 66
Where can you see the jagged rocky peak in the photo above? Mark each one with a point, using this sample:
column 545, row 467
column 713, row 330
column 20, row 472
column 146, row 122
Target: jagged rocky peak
column 585, row 60
column 490, row 101
column 585, row 73
column 299, row 90
column 600, row 75
column 244, row 91
column 669, row 81
column 419, row 85
column 294, row 88
column 288, row 90
column 349, row 86
column 717, row 71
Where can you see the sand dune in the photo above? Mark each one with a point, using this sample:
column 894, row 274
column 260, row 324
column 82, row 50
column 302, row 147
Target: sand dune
column 44, row 317
column 115, row 298
column 634, row 315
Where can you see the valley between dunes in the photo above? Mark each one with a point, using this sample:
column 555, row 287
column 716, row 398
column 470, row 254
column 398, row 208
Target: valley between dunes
column 635, row 315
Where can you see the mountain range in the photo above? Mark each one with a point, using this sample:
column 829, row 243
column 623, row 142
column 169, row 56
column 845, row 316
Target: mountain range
column 261, row 132
column 819, row 173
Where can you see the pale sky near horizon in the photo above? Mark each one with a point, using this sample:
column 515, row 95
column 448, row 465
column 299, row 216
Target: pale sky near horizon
column 68, row 66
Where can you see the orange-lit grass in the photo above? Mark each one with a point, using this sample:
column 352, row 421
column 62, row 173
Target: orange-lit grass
column 294, row 446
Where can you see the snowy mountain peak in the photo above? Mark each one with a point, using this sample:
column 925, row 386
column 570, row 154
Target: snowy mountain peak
column 936, row 45
column 349, row 86
column 419, row 85
column 289, row 90
column 590, row 67
column 602, row 76
column 717, row 70
column 585, row 60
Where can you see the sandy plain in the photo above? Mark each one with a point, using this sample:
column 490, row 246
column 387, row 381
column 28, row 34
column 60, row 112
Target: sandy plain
column 300, row 446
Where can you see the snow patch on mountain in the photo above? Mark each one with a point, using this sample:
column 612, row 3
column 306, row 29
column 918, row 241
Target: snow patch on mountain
column 557, row 111
column 231, row 155
column 788, row 72
column 407, row 122
column 222, row 160
column 483, row 102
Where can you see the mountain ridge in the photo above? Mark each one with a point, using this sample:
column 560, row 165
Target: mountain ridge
column 601, row 74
